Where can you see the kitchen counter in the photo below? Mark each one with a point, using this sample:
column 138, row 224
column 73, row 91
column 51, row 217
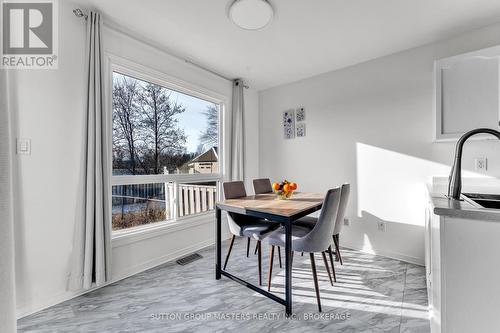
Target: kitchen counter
column 461, row 255
column 465, row 208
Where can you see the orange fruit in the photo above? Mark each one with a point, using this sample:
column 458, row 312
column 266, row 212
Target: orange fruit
column 276, row 186
column 293, row 186
column 286, row 188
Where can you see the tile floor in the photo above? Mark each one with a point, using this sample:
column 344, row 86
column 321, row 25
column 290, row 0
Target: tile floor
column 372, row 294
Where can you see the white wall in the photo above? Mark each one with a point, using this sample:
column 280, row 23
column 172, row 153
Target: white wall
column 372, row 125
column 48, row 108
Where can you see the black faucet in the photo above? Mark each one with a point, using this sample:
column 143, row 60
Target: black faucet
column 455, row 184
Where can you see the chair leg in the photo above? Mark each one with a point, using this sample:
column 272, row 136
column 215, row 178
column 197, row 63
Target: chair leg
column 336, row 254
column 279, row 255
column 248, row 246
column 331, row 261
column 229, row 251
column 327, row 268
column 315, row 276
column 302, row 254
column 270, row 273
column 337, row 248
column 256, row 248
column 259, row 252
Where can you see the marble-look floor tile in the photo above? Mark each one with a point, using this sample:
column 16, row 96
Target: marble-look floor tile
column 373, row 294
column 414, row 314
column 415, row 325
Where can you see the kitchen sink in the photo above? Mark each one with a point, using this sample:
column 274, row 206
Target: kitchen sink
column 491, row 201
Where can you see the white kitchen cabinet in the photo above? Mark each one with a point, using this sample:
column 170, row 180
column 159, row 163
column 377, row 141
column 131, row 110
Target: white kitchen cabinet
column 467, row 94
column 433, row 268
column 462, row 259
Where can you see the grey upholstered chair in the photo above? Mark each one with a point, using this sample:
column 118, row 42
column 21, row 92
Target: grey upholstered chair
column 262, row 185
column 309, row 221
column 344, row 199
column 312, row 240
column 246, row 226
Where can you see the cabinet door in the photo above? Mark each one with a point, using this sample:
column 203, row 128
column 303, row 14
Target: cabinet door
column 436, row 271
column 467, row 93
column 428, row 250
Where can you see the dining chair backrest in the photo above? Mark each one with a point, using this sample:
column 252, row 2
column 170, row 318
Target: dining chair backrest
column 233, row 190
column 344, row 199
column 319, row 238
column 262, row 185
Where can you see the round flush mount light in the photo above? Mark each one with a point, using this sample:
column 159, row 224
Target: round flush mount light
column 251, row 14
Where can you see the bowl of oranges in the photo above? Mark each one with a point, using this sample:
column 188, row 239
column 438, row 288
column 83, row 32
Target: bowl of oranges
column 285, row 189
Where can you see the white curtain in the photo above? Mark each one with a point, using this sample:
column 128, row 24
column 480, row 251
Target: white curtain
column 92, row 252
column 7, row 285
column 238, row 132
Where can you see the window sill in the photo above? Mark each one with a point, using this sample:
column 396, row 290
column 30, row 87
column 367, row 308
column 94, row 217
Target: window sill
column 133, row 235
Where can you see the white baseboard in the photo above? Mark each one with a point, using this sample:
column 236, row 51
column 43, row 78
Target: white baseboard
column 387, row 254
column 26, row 310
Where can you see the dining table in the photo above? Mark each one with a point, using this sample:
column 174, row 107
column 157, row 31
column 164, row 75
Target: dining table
column 268, row 207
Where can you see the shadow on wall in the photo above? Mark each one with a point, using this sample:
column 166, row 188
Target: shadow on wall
column 386, row 185
column 377, row 233
column 390, row 190
column 391, row 185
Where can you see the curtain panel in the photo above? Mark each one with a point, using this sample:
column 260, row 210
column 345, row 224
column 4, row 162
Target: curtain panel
column 238, row 132
column 92, row 252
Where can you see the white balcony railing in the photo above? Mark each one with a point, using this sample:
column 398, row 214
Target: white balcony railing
column 140, row 204
column 193, row 198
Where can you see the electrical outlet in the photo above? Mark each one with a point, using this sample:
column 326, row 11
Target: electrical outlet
column 481, row 164
column 23, row 146
column 346, row 221
column 381, row 226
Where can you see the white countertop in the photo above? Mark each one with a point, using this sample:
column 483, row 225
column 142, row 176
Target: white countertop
column 464, row 208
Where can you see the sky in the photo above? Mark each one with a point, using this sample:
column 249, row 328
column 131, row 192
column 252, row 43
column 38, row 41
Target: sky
column 193, row 121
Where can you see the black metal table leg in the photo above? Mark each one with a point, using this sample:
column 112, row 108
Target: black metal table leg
column 218, row 244
column 288, row 268
column 286, row 221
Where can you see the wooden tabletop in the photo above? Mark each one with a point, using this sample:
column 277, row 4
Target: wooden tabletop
column 269, row 203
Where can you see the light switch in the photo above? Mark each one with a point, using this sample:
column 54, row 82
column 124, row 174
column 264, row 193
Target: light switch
column 23, row 146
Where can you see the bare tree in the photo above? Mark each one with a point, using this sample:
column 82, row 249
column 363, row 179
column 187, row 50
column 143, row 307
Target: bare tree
column 159, row 125
column 210, row 137
column 125, row 120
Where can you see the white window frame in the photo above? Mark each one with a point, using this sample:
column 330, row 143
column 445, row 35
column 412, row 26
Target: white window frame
column 113, row 64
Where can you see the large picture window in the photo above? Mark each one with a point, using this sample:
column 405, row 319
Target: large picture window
column 165, row 147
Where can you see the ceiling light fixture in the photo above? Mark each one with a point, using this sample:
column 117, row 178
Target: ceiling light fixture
column 251, row 14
